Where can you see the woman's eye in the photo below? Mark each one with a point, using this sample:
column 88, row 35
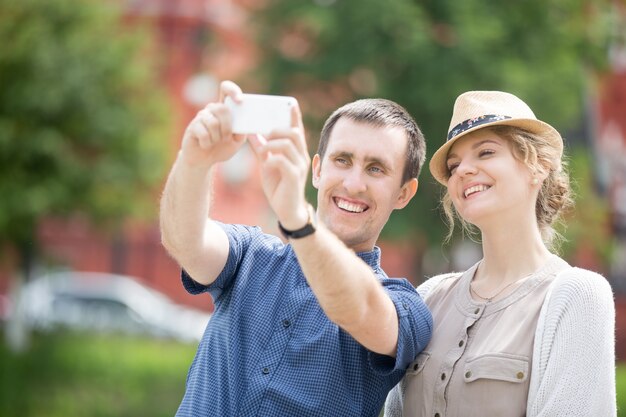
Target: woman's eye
column 486, row 152
column 452, row 168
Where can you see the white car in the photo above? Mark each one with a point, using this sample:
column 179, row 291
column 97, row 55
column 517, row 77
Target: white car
column 107, row 302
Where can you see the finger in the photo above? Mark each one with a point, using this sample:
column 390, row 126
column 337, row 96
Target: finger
column 298, row 126
column 198, row 131
column 280, row 163
column 212, row 126
column 286, row 148
column 223, row 115
column 296, row 117
column 230, row 89
column 257, row 143
column 295, row 135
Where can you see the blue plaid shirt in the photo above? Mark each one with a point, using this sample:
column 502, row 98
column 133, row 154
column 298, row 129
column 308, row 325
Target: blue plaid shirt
column 269, row 349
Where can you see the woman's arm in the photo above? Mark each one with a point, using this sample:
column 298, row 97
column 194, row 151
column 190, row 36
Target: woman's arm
column 573, row 371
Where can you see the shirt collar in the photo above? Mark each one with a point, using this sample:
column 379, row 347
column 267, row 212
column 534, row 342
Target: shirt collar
column 554, row 265
column 372, row 257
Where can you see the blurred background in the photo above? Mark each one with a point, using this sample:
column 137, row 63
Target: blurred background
column 95, row 96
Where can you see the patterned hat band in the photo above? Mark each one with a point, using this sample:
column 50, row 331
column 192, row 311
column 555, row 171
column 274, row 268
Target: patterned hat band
column 476, row 121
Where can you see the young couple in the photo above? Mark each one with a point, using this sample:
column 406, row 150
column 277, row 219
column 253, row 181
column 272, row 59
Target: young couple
column 315, row 327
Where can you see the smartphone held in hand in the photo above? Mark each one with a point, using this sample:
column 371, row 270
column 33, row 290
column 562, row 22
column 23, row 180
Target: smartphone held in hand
column 258, row 113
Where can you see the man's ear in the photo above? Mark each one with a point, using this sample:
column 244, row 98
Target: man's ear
column 407, row 192
column 316, row 166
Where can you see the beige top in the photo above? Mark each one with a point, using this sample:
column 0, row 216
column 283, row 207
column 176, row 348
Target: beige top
column 479, row 359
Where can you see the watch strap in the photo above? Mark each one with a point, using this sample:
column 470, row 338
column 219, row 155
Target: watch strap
column 306, row 230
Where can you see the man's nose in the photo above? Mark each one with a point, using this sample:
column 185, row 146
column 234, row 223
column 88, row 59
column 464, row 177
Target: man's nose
column 354, row 181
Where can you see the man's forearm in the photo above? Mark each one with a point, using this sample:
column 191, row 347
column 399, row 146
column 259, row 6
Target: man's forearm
column 199, row 245
column 186, row 230
column 348, row 291
column 182, row 211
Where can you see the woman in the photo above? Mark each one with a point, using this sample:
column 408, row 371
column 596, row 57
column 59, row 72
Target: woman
column 521, row 333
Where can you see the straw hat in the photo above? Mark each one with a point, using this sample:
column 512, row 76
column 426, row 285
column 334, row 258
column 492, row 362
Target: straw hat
column 475, row 110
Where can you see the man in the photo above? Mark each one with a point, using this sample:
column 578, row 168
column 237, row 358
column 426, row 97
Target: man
column 313, row 327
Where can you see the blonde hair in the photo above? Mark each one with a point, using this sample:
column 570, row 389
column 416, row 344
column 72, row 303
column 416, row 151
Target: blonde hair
column 555, row 194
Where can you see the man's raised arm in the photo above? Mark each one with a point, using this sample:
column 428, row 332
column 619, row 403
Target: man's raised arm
column 345, row 286
column 197, row 243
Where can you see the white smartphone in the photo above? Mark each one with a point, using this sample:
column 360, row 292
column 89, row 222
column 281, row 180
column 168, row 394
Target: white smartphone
column 259, row 113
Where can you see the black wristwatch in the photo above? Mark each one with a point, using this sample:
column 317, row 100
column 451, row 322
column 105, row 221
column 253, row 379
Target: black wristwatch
column 307, row 229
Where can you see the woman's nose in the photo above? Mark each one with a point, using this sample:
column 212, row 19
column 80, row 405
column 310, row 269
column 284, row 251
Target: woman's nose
column 466, row 167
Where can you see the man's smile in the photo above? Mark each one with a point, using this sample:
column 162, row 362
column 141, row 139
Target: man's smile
column 351, row 206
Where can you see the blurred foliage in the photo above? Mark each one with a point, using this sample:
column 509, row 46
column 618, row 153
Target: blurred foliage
column 82, row 126
column 71, row 374
column 587, row 227
column 620, row 374
column 423, row 54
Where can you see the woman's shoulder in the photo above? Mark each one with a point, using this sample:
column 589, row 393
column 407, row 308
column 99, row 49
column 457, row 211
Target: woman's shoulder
column 578, row 289
column 438, row 283
column 574, row 280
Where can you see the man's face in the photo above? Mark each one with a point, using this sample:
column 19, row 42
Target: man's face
column 359, row 181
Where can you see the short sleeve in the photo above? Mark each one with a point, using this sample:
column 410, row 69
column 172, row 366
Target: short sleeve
column 239, row 239
column 415, row 325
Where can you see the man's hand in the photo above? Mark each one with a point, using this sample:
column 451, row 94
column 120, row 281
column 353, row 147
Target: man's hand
column 285, row 162
column 208, row 139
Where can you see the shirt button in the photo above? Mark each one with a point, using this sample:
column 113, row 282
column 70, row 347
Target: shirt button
column 468, row 374
column 520, row 375
column 415, row 366
column 461, row 343
column 436, row 414
column 265, row 370
column 405, row 305
column 286, row 323
column 443, row 376
column 477, row 311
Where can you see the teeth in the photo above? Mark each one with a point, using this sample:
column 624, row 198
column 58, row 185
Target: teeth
column 355, row 208
column 475, row 189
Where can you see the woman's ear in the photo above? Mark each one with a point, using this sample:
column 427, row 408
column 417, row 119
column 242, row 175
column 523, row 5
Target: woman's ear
column 541, row 172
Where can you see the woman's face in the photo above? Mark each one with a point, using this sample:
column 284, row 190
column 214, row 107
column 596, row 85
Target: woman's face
column 487, row 183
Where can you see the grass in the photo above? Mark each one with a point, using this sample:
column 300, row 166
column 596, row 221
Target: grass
column 621, row 389
column 69, row 374
column 93, row 375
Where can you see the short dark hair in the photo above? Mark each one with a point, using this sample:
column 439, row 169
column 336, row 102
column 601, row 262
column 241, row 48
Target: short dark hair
column 381, row 112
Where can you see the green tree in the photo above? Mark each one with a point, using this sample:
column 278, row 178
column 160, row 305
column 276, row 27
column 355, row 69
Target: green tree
column 588, row 225
column 422, row 54
column 81, row 123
